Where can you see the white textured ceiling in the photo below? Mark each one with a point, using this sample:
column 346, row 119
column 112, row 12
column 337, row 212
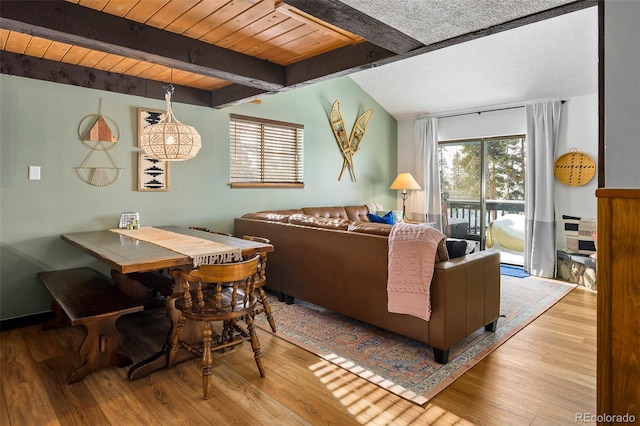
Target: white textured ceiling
column 551, row 59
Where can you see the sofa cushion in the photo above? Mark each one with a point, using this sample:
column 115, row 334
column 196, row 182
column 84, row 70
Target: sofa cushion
column 472, row 246
column 387, row 218
column 456, row 248
column 397, row 215
column 370, row 228
column 329, row 212
column 320, row 222
column 272, row 215
column 357, row 213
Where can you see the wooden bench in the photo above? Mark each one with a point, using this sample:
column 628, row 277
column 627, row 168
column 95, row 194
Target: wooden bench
column 84, row 296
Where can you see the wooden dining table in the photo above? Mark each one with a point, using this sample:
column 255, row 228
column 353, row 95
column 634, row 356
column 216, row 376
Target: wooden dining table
column 127, row 256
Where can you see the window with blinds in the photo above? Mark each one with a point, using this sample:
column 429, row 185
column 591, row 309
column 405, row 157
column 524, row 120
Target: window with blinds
column 265, row 153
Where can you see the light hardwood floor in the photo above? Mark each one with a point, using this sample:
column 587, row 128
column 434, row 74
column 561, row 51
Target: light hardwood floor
column 543, row 375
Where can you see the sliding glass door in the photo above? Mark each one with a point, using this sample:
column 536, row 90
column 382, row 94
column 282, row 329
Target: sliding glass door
column 482, row 184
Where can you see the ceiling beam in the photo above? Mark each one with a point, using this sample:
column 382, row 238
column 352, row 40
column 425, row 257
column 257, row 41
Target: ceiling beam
column 336, row 63
column 69, row 23
column 343, row 16
column 59, row 72
column 235, row 94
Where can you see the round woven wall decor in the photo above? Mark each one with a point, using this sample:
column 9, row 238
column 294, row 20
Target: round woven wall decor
column 574, row 168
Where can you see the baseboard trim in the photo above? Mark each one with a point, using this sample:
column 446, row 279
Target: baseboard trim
column 25, row 321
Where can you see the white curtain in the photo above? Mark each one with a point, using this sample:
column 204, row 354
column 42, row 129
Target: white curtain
column 543, row 121
column 426, row 203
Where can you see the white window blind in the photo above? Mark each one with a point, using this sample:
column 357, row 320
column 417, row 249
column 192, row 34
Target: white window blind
column 265, row 152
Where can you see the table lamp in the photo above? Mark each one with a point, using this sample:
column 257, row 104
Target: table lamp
column 404, row 181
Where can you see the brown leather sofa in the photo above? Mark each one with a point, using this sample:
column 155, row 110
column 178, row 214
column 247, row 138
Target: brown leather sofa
column 335, row 258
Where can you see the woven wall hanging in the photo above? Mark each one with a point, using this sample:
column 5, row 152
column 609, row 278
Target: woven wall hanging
column 99, row 138
column 574, row 168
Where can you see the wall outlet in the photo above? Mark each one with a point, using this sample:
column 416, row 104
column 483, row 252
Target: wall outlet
column 34, row 172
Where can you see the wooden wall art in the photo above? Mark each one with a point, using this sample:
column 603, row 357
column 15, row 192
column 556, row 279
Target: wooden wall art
column 348, row 145
column 99, row 137
column 153, row 175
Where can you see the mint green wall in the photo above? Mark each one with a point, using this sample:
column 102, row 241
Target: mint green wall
column 39, row 126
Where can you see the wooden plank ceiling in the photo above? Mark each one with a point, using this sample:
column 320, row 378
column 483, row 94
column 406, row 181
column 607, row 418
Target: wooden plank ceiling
column 224, row 51
column 216, row 52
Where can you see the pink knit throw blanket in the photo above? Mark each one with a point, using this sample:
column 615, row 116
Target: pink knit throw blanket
column 412, row 254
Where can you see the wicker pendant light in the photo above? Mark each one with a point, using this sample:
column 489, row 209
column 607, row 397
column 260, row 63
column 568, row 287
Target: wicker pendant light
column 169, row 139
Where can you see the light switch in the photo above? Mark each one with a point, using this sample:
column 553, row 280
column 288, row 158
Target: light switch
column 34, row 172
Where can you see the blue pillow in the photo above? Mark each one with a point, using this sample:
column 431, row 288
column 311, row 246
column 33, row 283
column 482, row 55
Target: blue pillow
column 387, row 218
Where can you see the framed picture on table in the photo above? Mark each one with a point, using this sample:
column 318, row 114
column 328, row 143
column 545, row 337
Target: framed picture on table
column 153, row 175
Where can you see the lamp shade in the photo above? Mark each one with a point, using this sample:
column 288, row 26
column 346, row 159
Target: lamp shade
column 405, row 181
column 169, row 139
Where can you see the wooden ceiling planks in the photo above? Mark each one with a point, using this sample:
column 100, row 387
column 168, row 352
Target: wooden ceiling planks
column 142, row 11
column 91, row 59
column 214, row 20
column 251, row 33
column 17, row 42
column 167, row 14
column 4, row 35
column 122, row 66
column 194, row 15
column 278, row 45
column 139, row 68
column 37, row 47
column 227, row 24
column 269, row 30
column 109, row 62
column 113, row 7
column 57, row 51
column 319, row 45
column 238, row 23
column 75, row 54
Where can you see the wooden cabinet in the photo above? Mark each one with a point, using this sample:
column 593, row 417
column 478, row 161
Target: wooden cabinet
column 618, row 277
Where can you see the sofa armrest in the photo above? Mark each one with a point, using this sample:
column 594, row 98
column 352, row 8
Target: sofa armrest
column 465, row 296
column 491, row 256
column 273, row 231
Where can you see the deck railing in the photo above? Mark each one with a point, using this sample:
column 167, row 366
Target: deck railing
column 460, row 212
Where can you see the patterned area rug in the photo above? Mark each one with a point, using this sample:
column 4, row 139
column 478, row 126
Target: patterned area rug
column 401, row 365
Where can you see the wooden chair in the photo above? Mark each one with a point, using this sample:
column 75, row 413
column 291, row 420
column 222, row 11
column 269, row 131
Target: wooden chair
column 227, row 297
column 200, row 228
column 260, row 282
